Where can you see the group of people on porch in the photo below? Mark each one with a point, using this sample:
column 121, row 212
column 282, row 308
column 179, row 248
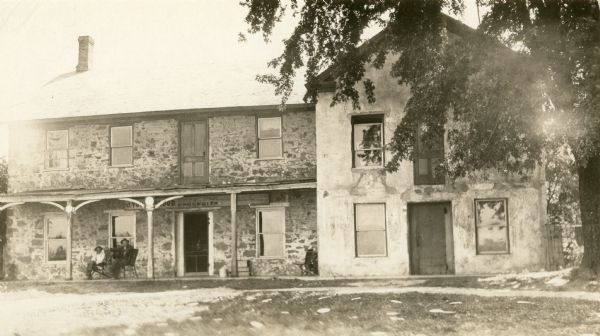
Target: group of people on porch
column 120, row 258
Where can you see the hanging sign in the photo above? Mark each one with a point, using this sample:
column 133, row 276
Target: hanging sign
column 212, row 201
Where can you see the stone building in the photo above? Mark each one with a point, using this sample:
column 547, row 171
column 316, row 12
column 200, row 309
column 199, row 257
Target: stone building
column 234, row 183
column 180, row 184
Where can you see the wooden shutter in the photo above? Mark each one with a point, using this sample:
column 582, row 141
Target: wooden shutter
column 194, row 152
column 426, row 160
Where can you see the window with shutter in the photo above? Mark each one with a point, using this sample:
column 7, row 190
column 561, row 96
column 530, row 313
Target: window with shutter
column 429, row 157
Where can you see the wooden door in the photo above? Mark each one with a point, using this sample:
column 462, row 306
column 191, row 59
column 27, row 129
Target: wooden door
column 195, row 243
column 431, row 248
column 194, row 152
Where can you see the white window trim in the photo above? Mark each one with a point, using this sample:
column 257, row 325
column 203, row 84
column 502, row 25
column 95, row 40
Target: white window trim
column 259, row 138
column 111, row 214
column 46, row 218
column 271, row 207
column 477, row 220
column 385, row 231
column 382, row 144
column 111, row 147
column 46, row 168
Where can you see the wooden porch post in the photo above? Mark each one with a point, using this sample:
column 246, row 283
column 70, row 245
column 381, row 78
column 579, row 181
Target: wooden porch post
column 69, row 212
column 149, row 202
column 234, row 243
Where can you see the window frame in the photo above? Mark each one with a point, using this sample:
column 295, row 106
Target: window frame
column 47, row 151
column 47, row 217
column 355, row 120
column 385, row 254
column 258, row 233
column 110, row 145
column 133, row 240
column 259, row 138
column 506, row 214
column 429, row 155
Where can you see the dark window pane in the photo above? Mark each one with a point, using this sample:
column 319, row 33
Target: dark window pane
column 121, row 136
column 423, row 167
column 269, row 128
column 57, row 249
column 271, row 245
column 370, row 217
column 269, row 148
column 57, row 139
column 121, row 156
column 368, row 158
column 123, row 226
column 57, row 228
column 492, row 226
column 370, row 243
column 367, row 136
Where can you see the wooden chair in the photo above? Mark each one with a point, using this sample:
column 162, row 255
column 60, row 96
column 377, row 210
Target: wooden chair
column 131, row 264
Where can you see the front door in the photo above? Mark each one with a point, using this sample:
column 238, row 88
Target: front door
column 194, row 152
column 431, row 246
column 195, row 243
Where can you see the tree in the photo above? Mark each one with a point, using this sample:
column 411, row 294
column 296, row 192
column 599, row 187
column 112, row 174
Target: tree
column 531, row 63
column 3, row 189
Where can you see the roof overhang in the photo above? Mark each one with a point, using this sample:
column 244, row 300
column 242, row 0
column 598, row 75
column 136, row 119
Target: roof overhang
column 87, row 195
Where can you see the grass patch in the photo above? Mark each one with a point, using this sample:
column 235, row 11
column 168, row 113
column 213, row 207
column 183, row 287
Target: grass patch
column 372, row 313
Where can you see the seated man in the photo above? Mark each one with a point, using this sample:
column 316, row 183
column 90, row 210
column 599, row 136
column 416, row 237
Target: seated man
column 97, row 260
column 122, row 257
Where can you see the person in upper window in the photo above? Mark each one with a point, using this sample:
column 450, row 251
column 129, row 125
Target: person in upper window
column 98, row 260
column 122, row 257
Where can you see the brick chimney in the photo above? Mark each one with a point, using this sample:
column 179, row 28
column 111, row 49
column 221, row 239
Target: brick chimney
column 86, row 47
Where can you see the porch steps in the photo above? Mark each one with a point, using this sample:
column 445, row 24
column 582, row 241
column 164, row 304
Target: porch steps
column 243, row 269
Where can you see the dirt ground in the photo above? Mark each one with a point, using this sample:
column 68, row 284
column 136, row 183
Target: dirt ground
column 523, row 304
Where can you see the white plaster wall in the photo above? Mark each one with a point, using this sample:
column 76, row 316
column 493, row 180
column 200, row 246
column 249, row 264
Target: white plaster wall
column 339, row 187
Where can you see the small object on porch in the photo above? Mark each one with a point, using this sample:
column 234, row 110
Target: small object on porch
column 311, row 263
column 223, row 272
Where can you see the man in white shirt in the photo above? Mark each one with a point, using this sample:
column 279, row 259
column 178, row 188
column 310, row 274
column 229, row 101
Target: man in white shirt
column 99, row 259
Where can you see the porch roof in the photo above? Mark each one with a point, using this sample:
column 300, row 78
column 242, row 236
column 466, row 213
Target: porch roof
column 102, row 194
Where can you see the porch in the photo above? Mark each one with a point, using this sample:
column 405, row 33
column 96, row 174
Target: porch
column 159, row 217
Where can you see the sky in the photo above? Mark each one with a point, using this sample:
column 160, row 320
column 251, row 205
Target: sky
column 38, row 39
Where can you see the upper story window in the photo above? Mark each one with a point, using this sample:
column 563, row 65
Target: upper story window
column 57, row 150
column 270, row 145
column 367, row 141
column 428, row 157
column 121, row 145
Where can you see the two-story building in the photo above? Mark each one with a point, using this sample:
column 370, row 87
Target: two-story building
column 247, row 188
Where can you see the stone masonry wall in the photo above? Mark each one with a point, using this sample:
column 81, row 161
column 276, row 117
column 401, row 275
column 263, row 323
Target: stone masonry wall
column 234, row 150
column 155, row 158
column 300, row 234
column 25, row 254
column 233, row 154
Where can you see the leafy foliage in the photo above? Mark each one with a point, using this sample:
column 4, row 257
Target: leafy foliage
column 531, row 65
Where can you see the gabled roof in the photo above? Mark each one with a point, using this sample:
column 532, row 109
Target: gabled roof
column 172, row 87
column 326, row 80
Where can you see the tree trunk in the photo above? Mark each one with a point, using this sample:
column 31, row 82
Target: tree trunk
column 589, row 195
